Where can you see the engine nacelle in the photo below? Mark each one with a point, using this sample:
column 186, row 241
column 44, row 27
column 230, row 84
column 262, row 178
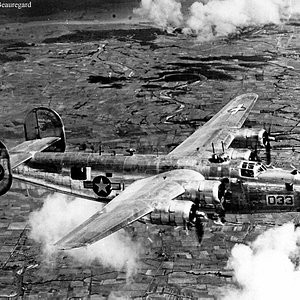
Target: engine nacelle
column 5, row 170
column 210, row 191
column 242, row 154
column 250, row 138
column 207, row 193
column 174, row 213
column 201, row 199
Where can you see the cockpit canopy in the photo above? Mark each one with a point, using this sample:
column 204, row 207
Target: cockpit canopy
column 251, row 169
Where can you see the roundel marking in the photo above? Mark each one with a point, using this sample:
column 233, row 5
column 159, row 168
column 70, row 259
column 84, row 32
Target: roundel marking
column 101, row 186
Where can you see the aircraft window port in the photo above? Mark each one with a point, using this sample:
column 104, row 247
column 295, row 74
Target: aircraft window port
column 108, row 174
column 294, row 172
column 262, row 169
column 78, row 173
column 251, row 166
column 289, row 186
column 244, row 165
column 130, row 151
column 247, row 173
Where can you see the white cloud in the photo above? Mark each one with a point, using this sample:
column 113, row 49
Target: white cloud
column 60, row 214
column 209, row 19
column 267, row 269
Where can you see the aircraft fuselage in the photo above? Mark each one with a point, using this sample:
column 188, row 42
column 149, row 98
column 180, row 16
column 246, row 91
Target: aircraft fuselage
column 253, row 187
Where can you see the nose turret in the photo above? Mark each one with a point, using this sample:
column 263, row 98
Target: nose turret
column 280, row 176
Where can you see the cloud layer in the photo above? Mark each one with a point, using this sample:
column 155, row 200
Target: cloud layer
column 213, row 18
column 268, row 268
column 59, row 215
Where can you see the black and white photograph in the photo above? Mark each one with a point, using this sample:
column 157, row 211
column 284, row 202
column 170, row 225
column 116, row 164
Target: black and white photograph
column 150, row 149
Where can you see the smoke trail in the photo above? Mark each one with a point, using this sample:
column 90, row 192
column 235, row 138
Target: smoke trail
column 268, row 268
column 59, row 215
column 164, row 13
column 209, row 19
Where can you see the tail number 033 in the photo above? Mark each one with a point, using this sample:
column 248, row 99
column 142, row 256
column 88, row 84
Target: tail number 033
column 281, row 200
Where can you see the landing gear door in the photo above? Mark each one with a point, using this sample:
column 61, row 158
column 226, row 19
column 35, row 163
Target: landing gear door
column 44, row 122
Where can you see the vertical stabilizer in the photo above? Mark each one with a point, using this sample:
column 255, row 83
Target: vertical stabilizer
column 44, row 122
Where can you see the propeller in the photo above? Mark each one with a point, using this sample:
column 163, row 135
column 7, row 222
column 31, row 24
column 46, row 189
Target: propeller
column 267, row 138
column 268, row 153
column 254, row 153
column 224, row 195
column 197, row 219
column 199, row 226
column 199, row 216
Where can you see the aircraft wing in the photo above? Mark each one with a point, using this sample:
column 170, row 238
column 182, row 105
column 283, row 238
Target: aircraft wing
column 220, row 128
column 26, row 150
column 137, row 200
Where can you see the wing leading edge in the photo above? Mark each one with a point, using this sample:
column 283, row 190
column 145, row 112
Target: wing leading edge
column 137, row 200
column 220, row 128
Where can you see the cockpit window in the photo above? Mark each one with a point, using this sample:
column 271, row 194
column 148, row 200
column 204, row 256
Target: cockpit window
column 247, row 173
column 251, row 166
column 251, row 169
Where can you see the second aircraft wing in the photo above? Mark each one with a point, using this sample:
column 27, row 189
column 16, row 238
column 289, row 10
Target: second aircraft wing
column 220, row 128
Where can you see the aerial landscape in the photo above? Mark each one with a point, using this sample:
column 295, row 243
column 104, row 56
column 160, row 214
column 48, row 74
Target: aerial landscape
column 132, row 78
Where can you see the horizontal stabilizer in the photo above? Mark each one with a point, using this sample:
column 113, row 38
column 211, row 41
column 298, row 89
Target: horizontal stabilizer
column 26, row 150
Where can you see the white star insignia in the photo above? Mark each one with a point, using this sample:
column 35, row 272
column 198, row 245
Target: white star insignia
column 102, row 186
column 236, row 109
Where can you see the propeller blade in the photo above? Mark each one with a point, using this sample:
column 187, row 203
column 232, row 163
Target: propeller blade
column 199, row 226
column 268, row 153
column 268, row 138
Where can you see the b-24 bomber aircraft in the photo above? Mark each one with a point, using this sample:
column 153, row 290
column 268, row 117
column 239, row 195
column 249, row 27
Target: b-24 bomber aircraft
column 213, row 171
